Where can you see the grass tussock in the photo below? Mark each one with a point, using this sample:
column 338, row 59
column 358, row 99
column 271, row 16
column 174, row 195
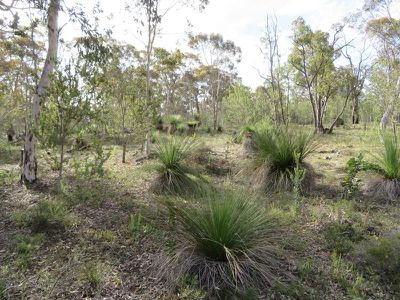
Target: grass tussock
column 387, row 164
column 175, row 175
column 228, row 243
column 46, row 216
column 277, row 149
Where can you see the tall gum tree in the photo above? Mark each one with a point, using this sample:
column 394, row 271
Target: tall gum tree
column 29, row 172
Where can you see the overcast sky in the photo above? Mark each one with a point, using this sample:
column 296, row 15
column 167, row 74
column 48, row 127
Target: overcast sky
column 242, row 21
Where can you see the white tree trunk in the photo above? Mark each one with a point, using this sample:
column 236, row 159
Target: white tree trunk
column 29, row 171
column 389, row 110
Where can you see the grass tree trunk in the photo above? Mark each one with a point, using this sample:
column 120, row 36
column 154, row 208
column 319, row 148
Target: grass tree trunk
column 124, row 151
column 29, row 170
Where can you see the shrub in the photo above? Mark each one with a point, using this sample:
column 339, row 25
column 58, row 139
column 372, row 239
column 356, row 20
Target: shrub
column 46, row 216
column 276, row 151
column 382, row 255
column 350, row 182
column 228, row 243
column 340, row 237
column 175, row 175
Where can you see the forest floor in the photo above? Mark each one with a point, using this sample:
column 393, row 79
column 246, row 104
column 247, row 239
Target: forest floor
column 114, row 228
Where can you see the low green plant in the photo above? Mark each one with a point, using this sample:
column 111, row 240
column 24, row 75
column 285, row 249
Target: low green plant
column 229, row 243
column 349, row 279
column 3, row 289
column 136, row 226
column 381, row 255
column 350, row 182
column 306, row 267
column 340, row 237
column 25, row 247
column 46, row 216
column 278, row 150
column 93, row 165
column 94, row 273
column 175, row 175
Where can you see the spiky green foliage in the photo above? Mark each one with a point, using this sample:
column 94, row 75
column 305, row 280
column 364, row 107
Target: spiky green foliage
column 175, row 175
column 276, row 151
column 387, row 164
column 388, row 161
column 228, row 243
column 174, row 119
column 238, row 137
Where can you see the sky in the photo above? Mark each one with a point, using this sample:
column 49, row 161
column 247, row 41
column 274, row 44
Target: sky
column 242, row 21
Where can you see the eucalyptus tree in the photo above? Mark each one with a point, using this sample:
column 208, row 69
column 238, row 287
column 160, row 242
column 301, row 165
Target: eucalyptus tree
column 313, row 57
column 125, row 91
column 29, row 173
column 170, row 67
column 20, row 55
column 386, row 31
column 151, row 14
column 217, row 69
column 274, row 79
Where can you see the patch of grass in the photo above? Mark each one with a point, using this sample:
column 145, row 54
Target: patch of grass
column 306, row 268
column 10, row 176
column 3, row 289
column 340, row 237
column 46, row 216
column 382, row 256
column 25, row 247
column 229, row 243
column 9, row 153
column 95, row 274
column 349, row 279
column 137, row 227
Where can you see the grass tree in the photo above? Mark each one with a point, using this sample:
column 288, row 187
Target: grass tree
column 228, row 243
column 278, row 151
column 174, row 174
column 386, row 164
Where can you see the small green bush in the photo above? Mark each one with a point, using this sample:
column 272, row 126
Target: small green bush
column 228, row 243
column 382, row 256
column 340, row 237
column 46, row 216
column 25, row 247
column 350, row 182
